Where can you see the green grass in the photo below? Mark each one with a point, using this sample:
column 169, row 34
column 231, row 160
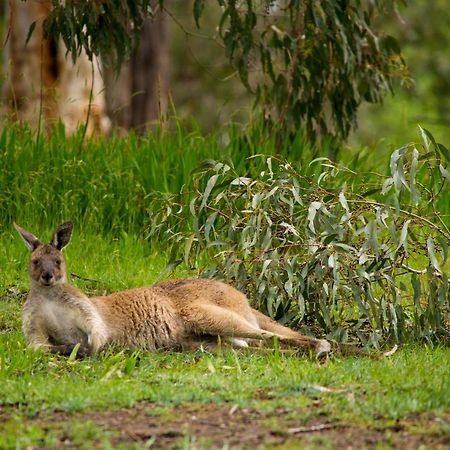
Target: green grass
column 363, row 392
column 106, row 183
column 414, row 381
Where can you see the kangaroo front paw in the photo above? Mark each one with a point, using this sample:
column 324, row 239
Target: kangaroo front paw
column 66, row 350
column 323, row 348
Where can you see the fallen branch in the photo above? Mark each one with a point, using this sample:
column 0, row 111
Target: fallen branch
column 312, row 428
column 390, row 352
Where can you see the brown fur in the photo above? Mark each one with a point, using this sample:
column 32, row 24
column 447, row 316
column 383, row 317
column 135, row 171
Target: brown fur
column 178, row 313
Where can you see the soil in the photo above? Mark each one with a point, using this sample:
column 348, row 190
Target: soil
column 212, row 426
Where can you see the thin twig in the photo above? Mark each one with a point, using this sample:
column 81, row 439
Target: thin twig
column 74, row 275
column 218, row 211
column 312, row 428
column 91, row 96
column 8, row 33
column 416, row 271
column 391, row 352
column 190, row 33
column 403, row 211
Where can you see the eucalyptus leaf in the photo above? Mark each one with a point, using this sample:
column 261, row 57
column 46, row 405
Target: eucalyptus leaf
column 431, row 254
column 209, row 187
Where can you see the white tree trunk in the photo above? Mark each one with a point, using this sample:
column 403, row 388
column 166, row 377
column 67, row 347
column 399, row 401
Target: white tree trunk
column 42, row 83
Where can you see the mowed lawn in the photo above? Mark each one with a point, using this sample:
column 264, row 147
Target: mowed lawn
column 200, row 400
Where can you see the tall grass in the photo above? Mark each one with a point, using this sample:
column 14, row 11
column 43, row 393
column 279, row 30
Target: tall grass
column 107, row 184
column 104, row 183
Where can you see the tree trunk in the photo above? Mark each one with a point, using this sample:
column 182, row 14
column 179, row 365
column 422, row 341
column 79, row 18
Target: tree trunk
column 42, row 83
column 137, row 98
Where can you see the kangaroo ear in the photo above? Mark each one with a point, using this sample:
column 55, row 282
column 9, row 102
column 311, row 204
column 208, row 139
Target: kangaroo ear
column 62, row 235
column 31, row 241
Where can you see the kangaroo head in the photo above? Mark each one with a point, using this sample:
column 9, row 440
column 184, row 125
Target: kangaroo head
column 47, row 266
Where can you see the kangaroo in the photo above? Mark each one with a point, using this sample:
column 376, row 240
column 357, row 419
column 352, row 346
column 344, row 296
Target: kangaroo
column 179, row 313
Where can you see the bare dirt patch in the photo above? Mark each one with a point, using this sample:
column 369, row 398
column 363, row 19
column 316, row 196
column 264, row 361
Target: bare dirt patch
column 210, row 426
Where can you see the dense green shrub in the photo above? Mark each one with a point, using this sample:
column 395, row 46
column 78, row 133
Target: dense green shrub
column 362, row 256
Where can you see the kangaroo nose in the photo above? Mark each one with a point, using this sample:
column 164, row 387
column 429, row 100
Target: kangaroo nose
column 47, row 276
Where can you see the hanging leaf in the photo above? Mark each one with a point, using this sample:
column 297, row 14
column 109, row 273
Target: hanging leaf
column 444, row 172
column 431, row 254
column 403, row 241
column 30, row 32
column 187, row 248
column 209, row 187
column 312, row 210
column 199, row 6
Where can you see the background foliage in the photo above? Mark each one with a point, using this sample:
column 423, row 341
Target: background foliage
column 314, row 61
column 205, row 86
column 424, row 98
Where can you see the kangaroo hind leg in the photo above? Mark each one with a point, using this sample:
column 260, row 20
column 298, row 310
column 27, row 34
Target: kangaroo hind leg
column 219, row 321
column 321, row 346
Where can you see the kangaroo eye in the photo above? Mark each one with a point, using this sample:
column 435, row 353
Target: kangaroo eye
column 58, row 262
column 36, row 262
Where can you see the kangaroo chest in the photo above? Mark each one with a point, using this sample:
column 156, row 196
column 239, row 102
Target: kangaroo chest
column 62, row 323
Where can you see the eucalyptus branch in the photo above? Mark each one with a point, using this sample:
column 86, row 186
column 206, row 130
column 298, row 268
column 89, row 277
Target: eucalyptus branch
column 300, row 249
column 187, row 32
column 218, row 211
column 445, row 233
